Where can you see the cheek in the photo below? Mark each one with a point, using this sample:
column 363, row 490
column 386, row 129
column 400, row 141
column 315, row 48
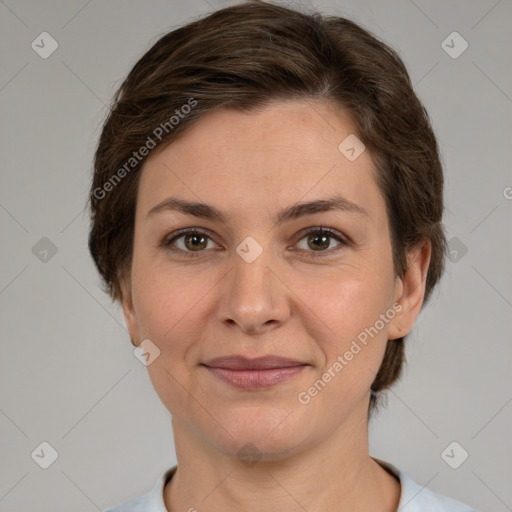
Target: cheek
column 355, row 312
column 169, row 312
column 352, row 346
column 350, row 302
column 166, row 305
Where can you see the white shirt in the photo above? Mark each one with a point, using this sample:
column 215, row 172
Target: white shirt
column 413, row 497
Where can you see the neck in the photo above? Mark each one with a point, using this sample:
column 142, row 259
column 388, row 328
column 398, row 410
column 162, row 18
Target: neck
column 334, row 474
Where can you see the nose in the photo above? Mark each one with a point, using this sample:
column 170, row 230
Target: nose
column 253, row 297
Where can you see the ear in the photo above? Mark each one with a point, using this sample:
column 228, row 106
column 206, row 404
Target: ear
column 410, row 290
column 129, row 311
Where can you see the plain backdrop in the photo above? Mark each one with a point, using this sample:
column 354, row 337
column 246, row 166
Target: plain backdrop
column 68, row 375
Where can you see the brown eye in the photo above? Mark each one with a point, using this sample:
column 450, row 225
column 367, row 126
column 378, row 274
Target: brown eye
column 319, row 240
column 192, row 242
column 188, row 242
column 195, row 241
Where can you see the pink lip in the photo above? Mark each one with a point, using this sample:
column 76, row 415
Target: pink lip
column 259, row 373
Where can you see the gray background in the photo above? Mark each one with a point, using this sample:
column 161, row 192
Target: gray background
column 68, row 375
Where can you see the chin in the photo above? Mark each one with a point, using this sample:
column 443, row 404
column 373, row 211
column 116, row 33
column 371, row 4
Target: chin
column 252, row 448
column 263, row 434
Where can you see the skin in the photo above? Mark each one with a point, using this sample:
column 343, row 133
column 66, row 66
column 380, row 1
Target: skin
column 250, row 166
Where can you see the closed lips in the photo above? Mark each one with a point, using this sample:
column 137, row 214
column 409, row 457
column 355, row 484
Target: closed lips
column 260, row 363
column 254, row 374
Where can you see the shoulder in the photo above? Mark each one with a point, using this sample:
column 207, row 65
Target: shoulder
column 138, row 504
column 152, row 501
column 418, row 498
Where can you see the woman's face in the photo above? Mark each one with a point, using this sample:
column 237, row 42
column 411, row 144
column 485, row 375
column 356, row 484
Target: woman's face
column 254, row 284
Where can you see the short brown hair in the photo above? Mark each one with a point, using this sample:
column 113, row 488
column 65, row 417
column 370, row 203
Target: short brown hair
column 242, row 57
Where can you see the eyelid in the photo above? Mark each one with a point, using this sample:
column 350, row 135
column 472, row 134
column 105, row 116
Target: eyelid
column 167, row 242
column 325, row 230
column 343, row 240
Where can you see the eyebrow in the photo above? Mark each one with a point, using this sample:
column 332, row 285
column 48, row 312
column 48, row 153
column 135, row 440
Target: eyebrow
column 295, row 211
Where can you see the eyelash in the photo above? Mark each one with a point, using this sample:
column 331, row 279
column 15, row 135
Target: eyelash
column 167, row 242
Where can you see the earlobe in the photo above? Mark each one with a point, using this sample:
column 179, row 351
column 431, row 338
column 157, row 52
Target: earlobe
column 410, row 290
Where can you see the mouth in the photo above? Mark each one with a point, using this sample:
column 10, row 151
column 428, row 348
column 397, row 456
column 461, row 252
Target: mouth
column 254, row 374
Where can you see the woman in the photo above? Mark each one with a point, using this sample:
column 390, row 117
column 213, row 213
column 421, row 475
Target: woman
column 266, row 206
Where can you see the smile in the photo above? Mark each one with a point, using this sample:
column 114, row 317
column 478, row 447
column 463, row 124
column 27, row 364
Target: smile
column 254, row 374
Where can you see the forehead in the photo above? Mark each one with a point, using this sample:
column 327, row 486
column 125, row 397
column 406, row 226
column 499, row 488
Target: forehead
column 286, row 152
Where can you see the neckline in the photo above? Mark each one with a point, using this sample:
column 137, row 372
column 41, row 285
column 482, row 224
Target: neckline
column 388, row 467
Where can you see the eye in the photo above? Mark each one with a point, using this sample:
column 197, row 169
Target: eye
column 319, row 239
column 194, row 241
